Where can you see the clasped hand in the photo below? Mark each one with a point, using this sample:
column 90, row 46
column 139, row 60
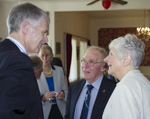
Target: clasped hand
column 49, row 96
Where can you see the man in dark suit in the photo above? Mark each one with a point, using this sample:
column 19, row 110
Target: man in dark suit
column 93, row 66
column 19, row 93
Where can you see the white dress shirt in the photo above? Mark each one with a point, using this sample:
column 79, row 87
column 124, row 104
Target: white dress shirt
column 130, row 99
column 94, row 92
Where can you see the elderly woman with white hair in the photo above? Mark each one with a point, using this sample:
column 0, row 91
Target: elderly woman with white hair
column 131, row 97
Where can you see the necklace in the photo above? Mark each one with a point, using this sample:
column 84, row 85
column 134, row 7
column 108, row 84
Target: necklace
column 48, row 72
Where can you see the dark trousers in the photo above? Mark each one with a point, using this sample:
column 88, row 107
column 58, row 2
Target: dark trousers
column 55, row 113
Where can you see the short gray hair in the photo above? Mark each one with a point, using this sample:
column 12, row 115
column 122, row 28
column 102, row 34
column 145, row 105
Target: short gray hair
column 129, row 45
column 24, row 12
column 101, row 50
column 36, row 61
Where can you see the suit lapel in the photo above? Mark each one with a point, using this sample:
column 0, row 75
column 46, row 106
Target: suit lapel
column 43, row 84
column 10, row 45
column 55, row 78
column 100, row 99
column 76, row 95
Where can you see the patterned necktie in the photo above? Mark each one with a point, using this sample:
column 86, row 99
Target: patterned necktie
column 86, row 103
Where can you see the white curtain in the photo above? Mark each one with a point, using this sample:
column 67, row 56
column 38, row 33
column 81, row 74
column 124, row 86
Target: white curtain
column 73, row 67
column 83, row 47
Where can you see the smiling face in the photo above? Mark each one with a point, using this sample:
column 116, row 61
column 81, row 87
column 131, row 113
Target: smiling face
column 37, row 37
column 114, row 64
column 92, row 73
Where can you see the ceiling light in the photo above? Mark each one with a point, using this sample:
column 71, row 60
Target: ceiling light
column 143, row 32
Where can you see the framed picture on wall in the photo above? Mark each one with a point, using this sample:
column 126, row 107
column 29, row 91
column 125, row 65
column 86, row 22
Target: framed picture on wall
column 58, row 48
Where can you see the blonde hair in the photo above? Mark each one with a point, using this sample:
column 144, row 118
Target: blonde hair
column 46, row 46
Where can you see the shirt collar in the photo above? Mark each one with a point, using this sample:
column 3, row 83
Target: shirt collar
column 96, row 84
column 19, row 45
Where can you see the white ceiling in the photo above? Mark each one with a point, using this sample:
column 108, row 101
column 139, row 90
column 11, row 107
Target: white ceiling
column 116, row 13
column 101, row 14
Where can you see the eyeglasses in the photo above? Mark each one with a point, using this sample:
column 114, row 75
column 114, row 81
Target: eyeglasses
column 46, row 55
column 90, row 63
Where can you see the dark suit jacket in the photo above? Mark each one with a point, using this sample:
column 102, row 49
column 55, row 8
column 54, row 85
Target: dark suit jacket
column 105, row 91
column 56, row 61
column 19, row 93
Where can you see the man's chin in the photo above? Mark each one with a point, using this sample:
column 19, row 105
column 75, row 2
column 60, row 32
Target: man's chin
column 38, row 49
column 86, row 77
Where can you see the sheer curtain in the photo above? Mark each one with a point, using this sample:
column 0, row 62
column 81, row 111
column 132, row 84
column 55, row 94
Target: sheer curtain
column 74, row 50
column 83, row 47
column 73, row 67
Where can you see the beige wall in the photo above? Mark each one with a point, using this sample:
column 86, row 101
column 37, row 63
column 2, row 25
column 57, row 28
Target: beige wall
column 73, row 23
column 4, row 9
column 109, row 22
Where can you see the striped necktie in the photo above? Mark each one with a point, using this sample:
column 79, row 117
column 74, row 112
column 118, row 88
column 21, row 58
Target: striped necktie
column 86, row 103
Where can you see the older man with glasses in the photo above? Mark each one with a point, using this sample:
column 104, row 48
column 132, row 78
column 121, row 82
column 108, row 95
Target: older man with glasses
column 87, row 98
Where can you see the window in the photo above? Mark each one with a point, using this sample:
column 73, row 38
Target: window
column 79, row 47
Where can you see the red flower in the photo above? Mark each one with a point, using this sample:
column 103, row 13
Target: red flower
column 104, row 91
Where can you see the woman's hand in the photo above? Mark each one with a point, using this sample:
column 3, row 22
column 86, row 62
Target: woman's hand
column 48, row 96
column 60, row 95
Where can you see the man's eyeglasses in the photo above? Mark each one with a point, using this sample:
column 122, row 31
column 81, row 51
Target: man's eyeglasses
column 90, row 63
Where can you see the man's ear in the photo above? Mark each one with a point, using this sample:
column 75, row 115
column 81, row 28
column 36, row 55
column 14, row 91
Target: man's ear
column 104, row 67
column 126, row 60
column 25, row 27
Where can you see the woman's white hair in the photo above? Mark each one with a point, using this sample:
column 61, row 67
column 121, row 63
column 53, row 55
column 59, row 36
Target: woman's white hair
column 129, row 45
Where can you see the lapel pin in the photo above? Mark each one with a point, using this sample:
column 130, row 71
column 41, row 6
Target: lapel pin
column 104, row 91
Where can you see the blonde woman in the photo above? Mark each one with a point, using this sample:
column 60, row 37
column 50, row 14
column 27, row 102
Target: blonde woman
column 52, row 85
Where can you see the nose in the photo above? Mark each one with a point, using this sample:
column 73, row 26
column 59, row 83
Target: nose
column 44, row 57
column 106, row 59
column 85, row 64
column 45, row 39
